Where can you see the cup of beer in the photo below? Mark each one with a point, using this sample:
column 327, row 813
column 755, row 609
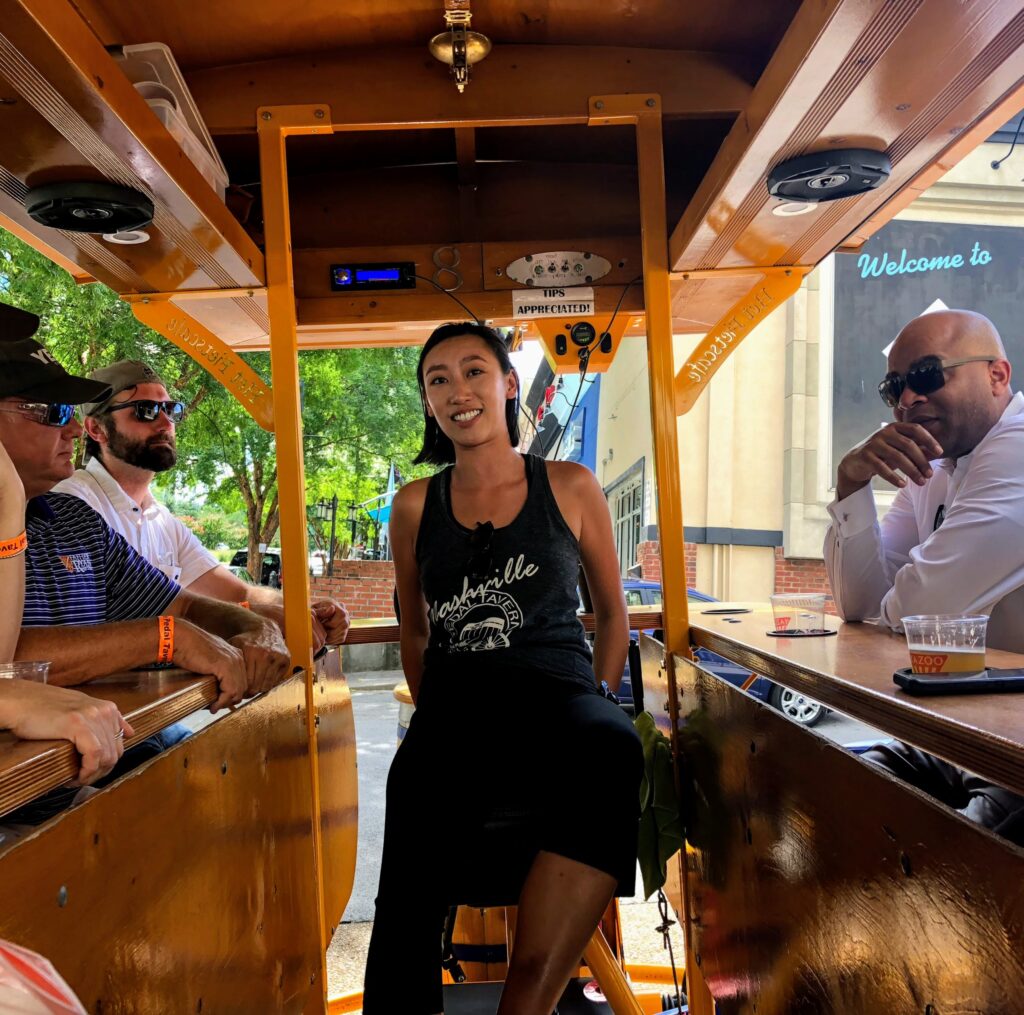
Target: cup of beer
column 946, row 643
column 799, row 612
column 25, row 670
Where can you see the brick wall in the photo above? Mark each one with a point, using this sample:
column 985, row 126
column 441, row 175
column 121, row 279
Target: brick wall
column 648, row 556
column 364, row 586
column 793, row 575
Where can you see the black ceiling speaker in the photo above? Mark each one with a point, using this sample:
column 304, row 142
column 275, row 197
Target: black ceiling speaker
column 828, row 176
column 88, row 206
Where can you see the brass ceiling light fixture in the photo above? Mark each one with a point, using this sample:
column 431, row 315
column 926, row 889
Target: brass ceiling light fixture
column 458, row 46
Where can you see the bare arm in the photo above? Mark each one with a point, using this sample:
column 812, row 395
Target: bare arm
column 414, row 630
column 581, row 500
column 601, row 566
column 329, row 618
column 224, row 619
column 80, row 654
column 267, row 661
column 245, row 653
column 12, row 569
column 38, row 712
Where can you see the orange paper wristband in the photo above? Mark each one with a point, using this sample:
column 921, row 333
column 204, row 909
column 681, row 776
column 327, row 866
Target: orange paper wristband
column 165, row 647
column 12, row 547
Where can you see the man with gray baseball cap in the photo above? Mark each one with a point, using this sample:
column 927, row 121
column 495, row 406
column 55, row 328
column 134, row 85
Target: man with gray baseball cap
column 130, row 436
column 93, row 605
column 91, row 601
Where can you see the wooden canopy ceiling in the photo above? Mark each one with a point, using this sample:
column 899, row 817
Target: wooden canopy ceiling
column 510, row 166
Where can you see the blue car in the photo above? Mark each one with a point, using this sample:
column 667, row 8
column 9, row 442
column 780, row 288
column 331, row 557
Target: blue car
column 796, row 706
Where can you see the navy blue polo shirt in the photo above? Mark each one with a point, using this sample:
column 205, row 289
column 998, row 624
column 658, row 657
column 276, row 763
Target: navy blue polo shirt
column 79, row 571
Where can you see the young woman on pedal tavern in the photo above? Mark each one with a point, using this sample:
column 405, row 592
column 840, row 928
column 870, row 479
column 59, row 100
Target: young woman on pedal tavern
column 514, row 765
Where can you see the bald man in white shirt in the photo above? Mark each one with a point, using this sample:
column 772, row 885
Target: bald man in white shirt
column 953, row 540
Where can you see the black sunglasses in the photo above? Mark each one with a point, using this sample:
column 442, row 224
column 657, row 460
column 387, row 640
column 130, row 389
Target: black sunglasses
column 47, row 413
column 924, row 376
column 146, row 411
column 481, row 561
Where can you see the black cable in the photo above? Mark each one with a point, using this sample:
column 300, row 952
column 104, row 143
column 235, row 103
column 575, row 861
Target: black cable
column 585, row 359
column 1013, row 144
column 584, row 363
column 667, row 922
column 441, row 289
column 615, row 313
column 528, row 418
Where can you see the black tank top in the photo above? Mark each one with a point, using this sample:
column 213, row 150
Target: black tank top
column 511, row 595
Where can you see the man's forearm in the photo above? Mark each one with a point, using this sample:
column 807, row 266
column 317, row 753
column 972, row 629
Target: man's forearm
column 267, row 603
column 80, row 654
column 226, row 620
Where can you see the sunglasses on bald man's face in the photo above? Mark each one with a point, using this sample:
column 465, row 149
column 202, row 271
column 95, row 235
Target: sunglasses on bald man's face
column 925, row 376
column 48, row 413
column 147, row 411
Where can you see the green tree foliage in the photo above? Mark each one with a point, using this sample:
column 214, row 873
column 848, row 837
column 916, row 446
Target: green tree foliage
column 361, row 409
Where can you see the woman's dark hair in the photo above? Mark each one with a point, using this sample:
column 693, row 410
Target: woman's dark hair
column 437, row 448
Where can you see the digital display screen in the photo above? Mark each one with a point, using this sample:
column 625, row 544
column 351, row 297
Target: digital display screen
column 396, row 275
column 377, row 275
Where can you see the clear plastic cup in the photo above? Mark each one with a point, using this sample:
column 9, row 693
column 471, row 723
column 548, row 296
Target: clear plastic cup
column 799, row 612
column 39, row 672
column 946, row 643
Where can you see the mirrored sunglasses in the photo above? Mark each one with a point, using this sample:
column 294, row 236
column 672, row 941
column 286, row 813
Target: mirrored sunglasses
column 924, row 377
column 48, row 413
column 147, row 411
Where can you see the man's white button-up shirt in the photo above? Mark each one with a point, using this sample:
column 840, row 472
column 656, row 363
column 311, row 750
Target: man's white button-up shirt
column 165, row 541
column 954, row 545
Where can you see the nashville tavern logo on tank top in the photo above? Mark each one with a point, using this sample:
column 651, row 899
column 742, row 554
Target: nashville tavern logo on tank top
column 481, row 617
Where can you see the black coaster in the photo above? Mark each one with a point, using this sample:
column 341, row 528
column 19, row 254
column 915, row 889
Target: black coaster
column 816, row 633
column 988, row 681
column 725, row 610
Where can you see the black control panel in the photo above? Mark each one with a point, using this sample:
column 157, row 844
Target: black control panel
column 367, row 277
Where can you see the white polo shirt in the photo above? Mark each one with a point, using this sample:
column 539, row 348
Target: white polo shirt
column 167, row 543
column 954, row 545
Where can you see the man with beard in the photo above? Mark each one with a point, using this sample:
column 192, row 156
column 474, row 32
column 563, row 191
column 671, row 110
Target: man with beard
column 953, row 539
column 93, row 605
column 129, row 437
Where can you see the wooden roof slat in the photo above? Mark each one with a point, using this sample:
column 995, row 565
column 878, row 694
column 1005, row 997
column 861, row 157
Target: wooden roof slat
column 849, row 74
column 397, row 88
column 251, row 30
column 77, row 116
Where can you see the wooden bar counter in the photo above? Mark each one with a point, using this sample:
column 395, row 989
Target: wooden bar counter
column 380, row 630
column 852, row 672
column 149, row 699
column 190, row 884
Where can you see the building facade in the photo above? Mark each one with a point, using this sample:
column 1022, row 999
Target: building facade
column 761, row 446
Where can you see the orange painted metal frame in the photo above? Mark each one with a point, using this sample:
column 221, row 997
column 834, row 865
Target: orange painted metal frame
column 569, row 361
column 644, row 112
column 776, row 285
column 275, row 126
column 178, row 326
